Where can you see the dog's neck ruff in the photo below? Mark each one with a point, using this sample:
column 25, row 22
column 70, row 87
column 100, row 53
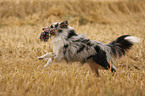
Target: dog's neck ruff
column 67, row 37
column 61, row 39
column 58, row 42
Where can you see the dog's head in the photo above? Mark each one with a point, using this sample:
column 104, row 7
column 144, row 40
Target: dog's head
column 59, row 25
column 53, row 30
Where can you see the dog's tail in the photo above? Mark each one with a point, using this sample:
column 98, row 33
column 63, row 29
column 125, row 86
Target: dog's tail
column 122, row 44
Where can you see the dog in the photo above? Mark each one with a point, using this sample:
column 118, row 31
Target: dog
column 68, row 45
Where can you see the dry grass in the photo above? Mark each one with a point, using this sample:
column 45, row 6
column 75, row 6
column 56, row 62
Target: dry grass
column 83, row 11
column 21, row 74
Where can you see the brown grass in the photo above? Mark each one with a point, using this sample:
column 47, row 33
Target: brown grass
column 83, row 11
column 21, row 74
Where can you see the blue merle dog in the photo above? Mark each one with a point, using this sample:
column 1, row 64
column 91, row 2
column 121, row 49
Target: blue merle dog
column 68, row 45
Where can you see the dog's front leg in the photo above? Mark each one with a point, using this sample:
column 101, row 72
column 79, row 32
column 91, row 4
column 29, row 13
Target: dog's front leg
column 47, row 55
column 48, row 62
column 53, row 60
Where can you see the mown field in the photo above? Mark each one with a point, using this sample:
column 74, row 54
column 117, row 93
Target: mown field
column 22, row 74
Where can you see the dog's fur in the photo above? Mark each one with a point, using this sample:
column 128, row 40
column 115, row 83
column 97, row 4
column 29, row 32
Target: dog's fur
column 68, row 45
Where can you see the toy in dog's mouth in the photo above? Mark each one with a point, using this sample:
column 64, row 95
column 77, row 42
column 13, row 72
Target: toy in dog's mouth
column 46, row 34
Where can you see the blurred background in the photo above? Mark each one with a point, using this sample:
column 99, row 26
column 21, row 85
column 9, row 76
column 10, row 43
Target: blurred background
column 76, row 11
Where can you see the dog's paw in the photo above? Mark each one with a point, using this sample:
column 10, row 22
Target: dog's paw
column 46, row 65
column 40, row 58
column 48, row 62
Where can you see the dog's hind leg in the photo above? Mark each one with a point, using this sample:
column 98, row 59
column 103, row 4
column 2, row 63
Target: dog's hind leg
column 94, row 68
column 47, row 55
column 104, row 64
column 104, row 60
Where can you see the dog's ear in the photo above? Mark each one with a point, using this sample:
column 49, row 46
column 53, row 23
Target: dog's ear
column 64, row 24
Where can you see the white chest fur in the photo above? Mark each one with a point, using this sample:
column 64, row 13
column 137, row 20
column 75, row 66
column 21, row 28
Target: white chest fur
column 58, row 43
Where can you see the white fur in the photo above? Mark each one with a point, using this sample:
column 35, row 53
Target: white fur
column 48, row 62
column 48, row 55
column 58, row 43
column 132, row 39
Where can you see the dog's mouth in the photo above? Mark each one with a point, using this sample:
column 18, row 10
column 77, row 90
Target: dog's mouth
column 46, row 34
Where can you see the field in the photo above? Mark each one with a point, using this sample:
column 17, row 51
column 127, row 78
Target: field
column 22, row 74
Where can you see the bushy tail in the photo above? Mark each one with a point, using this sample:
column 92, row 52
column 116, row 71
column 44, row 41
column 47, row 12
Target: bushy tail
column 122, row 44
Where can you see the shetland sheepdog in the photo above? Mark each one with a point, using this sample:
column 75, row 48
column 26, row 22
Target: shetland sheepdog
column 68, row 45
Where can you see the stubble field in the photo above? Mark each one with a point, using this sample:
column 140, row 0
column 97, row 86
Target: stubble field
column 22, row 74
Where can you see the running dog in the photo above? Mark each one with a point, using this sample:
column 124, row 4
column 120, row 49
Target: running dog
column 68, row 45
